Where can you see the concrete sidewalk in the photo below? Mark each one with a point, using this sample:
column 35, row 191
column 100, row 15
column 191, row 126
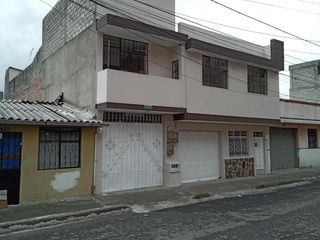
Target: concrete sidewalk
column 147, row 199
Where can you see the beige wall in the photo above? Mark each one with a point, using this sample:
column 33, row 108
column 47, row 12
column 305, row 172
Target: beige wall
column 293, row 112
column 132, row 88
column 234, row 101
column 40, row 185
column 141, row 12
column 174, row 179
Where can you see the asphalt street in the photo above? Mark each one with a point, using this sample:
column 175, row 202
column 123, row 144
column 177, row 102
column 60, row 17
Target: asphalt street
column 292, row 213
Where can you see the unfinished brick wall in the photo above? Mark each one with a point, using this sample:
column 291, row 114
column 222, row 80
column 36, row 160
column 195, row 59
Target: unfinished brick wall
column 64, row 22
column 28, row 85
column 34, row 92
column 305, row 83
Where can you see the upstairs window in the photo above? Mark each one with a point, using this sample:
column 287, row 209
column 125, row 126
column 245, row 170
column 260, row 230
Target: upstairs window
column 175, row 69
column 125, row 55
column 214, row 72
column 318, row 69
column 257, row 80
column 59, row 148
column 312, row 138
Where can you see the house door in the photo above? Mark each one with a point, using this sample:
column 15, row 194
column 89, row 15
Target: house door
column 258, row 144
column 10, row 162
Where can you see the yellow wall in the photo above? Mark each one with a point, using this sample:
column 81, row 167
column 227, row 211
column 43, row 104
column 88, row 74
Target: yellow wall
column 40, row 185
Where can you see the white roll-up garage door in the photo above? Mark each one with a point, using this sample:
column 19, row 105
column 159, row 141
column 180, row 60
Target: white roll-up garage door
column 133, row 152
column 198, row 153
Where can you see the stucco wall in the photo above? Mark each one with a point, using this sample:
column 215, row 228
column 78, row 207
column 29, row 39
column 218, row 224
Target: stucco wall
column 174, row 179
column 308, row 157
column 141, row 12
column 40, row 185
column 72, row 70
column 234, row 101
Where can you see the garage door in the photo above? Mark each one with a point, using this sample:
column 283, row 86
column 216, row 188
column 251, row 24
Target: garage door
column 133, row 152
column 283, row 148
column 198, row 153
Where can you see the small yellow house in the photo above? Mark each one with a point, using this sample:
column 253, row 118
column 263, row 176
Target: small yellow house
column 47, row 151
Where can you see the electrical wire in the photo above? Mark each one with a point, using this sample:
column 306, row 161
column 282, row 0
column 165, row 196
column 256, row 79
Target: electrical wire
column 197, row 62
column 264, row 23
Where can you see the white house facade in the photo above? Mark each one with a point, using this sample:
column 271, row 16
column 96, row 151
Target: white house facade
column 178, row 103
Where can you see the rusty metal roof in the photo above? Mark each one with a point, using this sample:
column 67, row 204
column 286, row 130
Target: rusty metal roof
column 44, row 113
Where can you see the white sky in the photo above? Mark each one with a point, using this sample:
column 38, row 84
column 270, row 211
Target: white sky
column 20, row 27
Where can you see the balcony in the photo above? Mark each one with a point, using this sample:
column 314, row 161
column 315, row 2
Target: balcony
column 126, row 90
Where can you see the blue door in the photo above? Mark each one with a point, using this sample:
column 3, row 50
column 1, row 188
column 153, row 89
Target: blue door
column 10, row 162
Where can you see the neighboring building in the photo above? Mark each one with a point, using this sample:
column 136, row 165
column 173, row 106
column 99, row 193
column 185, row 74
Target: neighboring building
column 47, row 151
column 178, row 106
column 305, row 81
column 299, row 134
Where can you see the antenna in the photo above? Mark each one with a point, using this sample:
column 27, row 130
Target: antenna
column 30, row 54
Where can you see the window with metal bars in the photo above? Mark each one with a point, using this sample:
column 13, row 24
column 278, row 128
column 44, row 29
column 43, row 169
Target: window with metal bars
column 132, row 117
column 175, row 69
column 257, row 80
column 59, row 148
column 312, row 138
column 238, row 143
column 214, row 72
column 125, row 55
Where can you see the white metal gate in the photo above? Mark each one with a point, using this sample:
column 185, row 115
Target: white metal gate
column 198, row 153
column 132, row 152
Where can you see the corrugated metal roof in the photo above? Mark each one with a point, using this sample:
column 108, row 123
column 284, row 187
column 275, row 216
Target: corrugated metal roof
column 44, row 112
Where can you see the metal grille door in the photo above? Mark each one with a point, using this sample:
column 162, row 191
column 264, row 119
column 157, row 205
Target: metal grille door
column 132, row 153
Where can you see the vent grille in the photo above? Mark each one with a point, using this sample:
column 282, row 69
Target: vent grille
column 132, row 117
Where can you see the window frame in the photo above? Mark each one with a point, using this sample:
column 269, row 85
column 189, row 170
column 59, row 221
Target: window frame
column 243, row 134
column 311, row 131
column 59, row 131
column 175, row 69
column 126, row 53
column 210, row 72
column 252, row 82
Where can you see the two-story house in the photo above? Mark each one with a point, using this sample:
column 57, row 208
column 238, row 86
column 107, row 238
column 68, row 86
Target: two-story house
column 177, row 106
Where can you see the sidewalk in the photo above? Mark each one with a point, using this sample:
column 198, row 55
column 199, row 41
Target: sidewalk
column 148, row 199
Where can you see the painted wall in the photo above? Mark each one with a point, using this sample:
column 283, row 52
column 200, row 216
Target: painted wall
column 140, row 12
column 174, row 179
column 207, row 35
column 308, row 157
column 41, row 185
column 293, row 112
column 234, row 101
column 132, row 88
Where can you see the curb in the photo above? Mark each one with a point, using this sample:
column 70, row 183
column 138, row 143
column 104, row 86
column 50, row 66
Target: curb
column 269, row 185
column 24, row 224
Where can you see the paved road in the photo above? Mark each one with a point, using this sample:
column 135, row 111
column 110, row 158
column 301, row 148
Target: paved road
column 285, row 214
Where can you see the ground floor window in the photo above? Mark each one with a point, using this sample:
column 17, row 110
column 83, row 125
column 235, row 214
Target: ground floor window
column 238, row 143
column 59, row 148
column 312, row 138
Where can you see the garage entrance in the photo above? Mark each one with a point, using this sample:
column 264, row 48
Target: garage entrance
column 283, row 148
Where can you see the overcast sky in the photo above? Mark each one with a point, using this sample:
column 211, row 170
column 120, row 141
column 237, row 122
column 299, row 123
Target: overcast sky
column 20, row 25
